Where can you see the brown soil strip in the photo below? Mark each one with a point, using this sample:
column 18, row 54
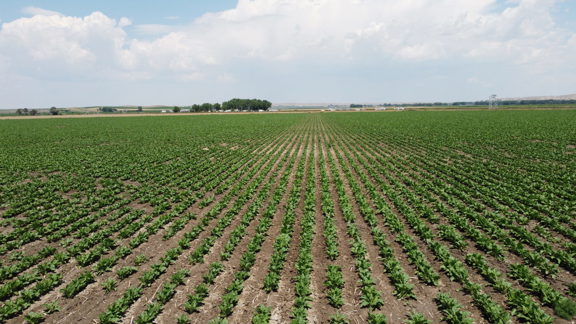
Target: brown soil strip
column 253, row 294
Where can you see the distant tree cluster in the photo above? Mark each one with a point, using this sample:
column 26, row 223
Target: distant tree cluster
column 526, row 102
column 205, row 107
column 470, row 103
column 26, row 112
column 232, row 105
column 246, row 104
column 107, row 109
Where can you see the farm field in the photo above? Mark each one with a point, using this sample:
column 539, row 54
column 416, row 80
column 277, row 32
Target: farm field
column 456, row 217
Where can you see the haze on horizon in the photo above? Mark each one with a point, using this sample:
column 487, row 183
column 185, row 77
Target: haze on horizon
column 84, row 53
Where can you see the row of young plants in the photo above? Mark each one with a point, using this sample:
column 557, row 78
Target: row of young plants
column 516, row 232
column 196, row 300
column 118, row 308
column 334, row 282
column 523, row 306
column 400, row 280
column 61, row 222
column 198, row 254
column 42, row 210
column 27, row 297
column 481, row 189
column 107, row 263
column 487, row 244
column 453, row 268
column 423, row 268
column 86, row 259
column 519, row 194
column 514, row 187
column 483, row 242
column 535, row 314
column 201, row 291
column 44, row 222
column 149, row 277
column 303, row 264
column 283, row 241
column 248, row 259
column 370, row 297
column 563, row 306
column 535, row 317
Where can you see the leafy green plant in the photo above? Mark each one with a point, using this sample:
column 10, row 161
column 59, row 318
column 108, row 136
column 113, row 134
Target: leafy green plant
column 375, row 318
column 34, row 318
column 126, row 272
column 183, row 319
column 261, row 315
column 52, row 307
column 78, row 284
column 417, row 318
column 109, row 285
column 565, row 308
column 452, row 311
column 572, row 289
column 140, row 260
column 338, row 318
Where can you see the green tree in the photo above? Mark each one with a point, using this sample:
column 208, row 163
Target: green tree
column 108, row 109
column 246, row 104
column 54, row 111
column 176, row 109
column 139, row 109
column 33, row 112
column 206, row 107
column 217, row 107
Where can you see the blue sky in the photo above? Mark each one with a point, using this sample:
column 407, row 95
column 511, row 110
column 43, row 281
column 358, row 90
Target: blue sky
column 139, row 11
column 80, row 53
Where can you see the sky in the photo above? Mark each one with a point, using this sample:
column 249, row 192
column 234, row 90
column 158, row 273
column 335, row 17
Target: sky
column 69, row 53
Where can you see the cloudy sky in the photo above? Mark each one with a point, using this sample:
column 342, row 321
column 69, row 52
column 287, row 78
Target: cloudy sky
column 143, row 52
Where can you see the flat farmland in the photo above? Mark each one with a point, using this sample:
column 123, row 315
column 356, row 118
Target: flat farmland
column 381, row 217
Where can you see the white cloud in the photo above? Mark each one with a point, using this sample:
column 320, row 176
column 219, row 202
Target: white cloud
column 374, row 29
column 124, row 22
column 35, row 11
column 60, row 44
column 258, row 33
column 154, row 29
column 334, row 30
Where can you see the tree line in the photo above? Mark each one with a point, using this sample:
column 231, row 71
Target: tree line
column 34, row 112
column 471, row 103
column 230, row 105
column 246, row 104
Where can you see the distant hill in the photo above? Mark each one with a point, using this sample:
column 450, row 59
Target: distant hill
column 564, row 97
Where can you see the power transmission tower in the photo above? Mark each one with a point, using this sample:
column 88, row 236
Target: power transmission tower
column 493, row 102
